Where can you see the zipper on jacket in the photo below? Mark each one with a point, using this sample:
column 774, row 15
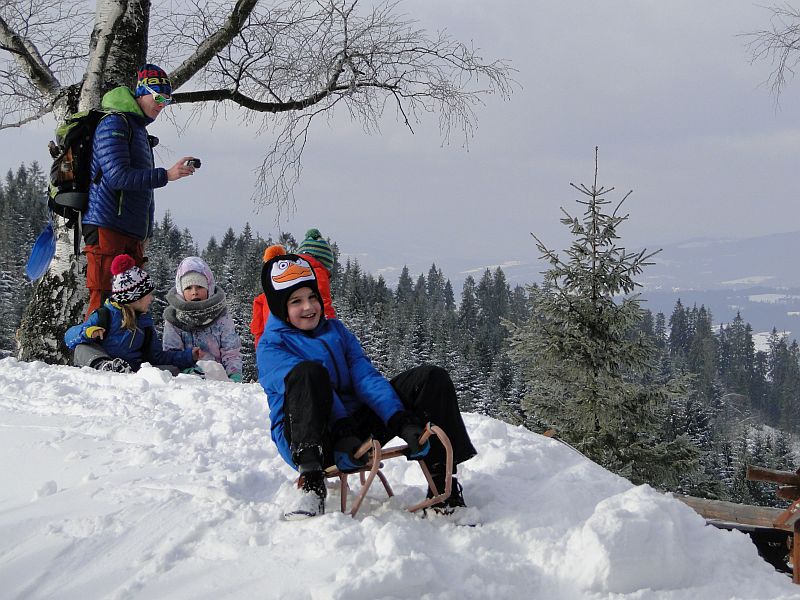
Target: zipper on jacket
column 119, row 205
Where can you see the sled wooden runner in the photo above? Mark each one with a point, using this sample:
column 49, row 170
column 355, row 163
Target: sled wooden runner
column 372, row 469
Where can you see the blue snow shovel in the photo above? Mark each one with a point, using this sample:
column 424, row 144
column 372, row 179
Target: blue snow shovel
column 44, row 249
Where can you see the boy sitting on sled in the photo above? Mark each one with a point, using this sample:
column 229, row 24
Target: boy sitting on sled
column 326, row 398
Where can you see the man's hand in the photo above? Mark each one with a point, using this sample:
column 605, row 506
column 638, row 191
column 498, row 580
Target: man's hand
column 180, row 169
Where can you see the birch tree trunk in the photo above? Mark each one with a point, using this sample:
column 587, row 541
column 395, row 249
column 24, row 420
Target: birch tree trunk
column 118, row 46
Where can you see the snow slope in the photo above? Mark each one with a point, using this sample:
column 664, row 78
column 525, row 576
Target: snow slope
column 141, row 486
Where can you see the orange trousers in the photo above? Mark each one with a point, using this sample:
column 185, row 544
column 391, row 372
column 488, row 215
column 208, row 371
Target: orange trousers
column 99, row 256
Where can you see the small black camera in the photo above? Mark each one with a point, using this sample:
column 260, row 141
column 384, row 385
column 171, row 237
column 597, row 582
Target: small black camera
column 193, row 162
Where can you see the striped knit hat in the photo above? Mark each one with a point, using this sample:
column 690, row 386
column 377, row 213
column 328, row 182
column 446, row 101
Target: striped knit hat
column 316, row 246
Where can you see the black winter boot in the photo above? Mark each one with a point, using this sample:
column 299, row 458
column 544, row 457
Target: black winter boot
column 112, row 365
column 456, row 498
column 312, row 497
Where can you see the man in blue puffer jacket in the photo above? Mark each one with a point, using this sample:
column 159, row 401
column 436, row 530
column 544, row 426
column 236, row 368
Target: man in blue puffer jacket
column 325, row 396
column 119, row 218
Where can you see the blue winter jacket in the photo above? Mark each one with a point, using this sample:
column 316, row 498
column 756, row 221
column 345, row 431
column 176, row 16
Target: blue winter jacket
column 354, row 380
column 120, row 342
column 122, row 200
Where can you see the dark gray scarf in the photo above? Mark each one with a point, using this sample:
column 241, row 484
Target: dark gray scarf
column 189, row 315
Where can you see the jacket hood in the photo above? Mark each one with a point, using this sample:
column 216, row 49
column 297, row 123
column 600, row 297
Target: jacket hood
column 197, row 264
column 121, row 99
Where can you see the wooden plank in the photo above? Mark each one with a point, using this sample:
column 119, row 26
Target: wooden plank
column 761, row 474
column 789, row 492
column 795, row 553
column 790, row 515
column 745, row 514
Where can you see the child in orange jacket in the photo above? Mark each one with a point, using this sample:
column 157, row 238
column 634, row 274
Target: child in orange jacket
column 318, row 253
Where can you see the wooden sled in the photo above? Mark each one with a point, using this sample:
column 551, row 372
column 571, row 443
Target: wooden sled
column 372, row 469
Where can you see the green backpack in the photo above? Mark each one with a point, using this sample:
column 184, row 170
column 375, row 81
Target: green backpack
column 70, row 172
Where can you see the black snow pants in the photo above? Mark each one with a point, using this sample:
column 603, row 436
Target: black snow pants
column 427, row 391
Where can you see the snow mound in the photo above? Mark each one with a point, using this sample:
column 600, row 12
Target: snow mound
column 137, row 486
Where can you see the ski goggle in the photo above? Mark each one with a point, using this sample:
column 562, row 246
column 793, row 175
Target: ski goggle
column 159, row 98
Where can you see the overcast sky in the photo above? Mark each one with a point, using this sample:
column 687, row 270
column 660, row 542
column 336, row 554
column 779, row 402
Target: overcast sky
column 665, row 89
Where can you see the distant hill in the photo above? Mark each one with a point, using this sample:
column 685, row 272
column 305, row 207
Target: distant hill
column 758, row 276
column 762, row 307
column 706, row 264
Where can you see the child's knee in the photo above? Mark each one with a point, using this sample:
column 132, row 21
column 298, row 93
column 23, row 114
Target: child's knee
column 305, row 371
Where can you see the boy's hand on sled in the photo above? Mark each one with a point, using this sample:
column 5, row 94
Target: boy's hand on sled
column 344, row 453
column 405, row 425
column 411, row 433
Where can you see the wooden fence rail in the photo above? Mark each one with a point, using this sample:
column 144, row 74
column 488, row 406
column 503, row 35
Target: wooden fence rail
column 720, row 512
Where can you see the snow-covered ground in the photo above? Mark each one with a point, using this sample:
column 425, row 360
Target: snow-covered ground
column 761, row 340
column 141, row 486
column 773, row 298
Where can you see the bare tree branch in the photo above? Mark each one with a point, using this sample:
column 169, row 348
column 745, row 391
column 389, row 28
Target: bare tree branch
column 213, row 44
column 268, row 107
column 42, row 44
column 779, row 44
column 29, row 58
column 46, row 110
column 296, row 58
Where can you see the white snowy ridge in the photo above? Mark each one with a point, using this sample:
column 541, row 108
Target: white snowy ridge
column 143, row 486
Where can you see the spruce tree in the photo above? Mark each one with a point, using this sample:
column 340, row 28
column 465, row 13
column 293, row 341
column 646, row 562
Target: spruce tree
column 660, row 331
column 584, row 371
column 679, row 334
column 405, row 287
column 22, row 216
column 702, row 355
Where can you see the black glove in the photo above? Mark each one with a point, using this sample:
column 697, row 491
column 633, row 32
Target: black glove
column 406, row 425
column 411, row 435
column 345, row 446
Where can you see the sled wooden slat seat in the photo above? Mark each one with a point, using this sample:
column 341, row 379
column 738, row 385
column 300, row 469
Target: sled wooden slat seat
column 372, row 469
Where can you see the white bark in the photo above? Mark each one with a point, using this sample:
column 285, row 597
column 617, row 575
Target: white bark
column 108, row 15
